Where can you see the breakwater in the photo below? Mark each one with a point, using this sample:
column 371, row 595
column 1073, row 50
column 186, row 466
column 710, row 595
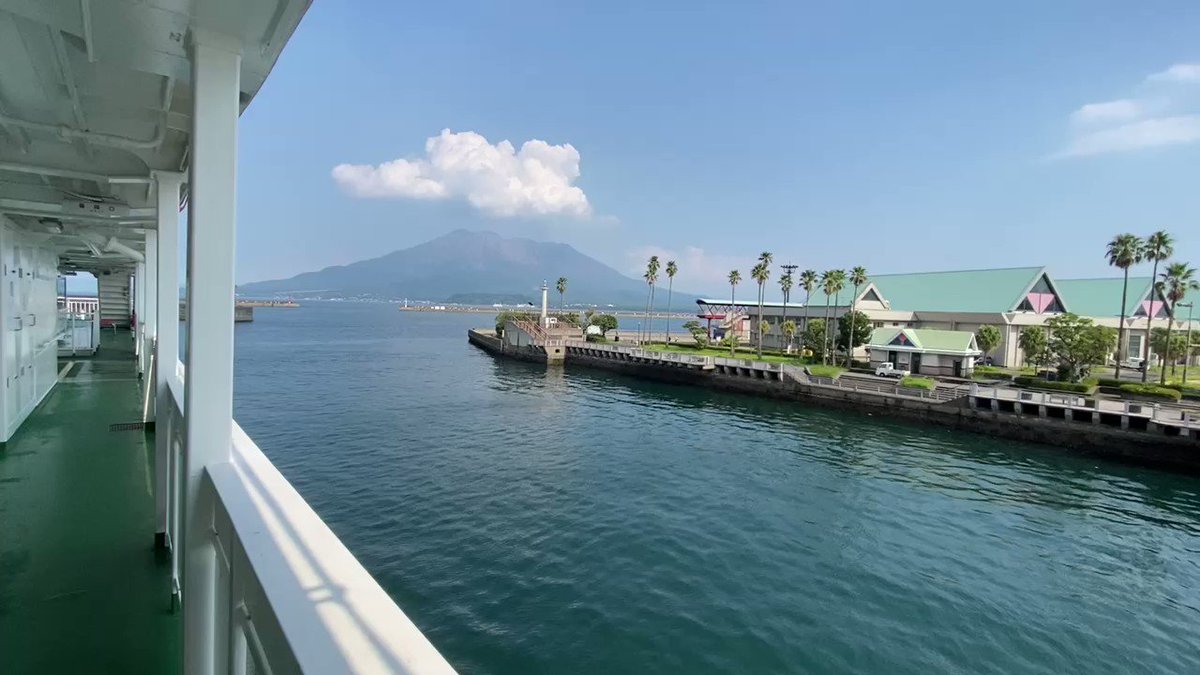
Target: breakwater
column 1135, row 435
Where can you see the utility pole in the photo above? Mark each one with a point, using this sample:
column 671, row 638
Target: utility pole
column 787, row 294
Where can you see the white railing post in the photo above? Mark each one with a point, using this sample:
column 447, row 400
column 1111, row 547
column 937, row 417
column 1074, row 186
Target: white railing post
column 208, row 391
column 150, row 319
column 166, row 313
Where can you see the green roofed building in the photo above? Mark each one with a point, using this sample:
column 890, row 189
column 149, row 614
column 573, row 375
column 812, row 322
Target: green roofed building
column 1010, row 299
column 925, row 351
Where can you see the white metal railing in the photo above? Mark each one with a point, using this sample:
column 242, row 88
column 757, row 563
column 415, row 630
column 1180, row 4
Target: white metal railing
column 290, row 596
column 1155, row 412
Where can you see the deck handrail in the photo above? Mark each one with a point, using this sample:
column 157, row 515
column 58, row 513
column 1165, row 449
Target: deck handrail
column 297, row 599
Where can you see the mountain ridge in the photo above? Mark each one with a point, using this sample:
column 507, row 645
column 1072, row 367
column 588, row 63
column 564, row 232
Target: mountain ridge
column 468, row 263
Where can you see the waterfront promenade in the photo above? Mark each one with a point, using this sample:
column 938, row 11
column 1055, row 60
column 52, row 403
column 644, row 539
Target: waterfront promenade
column 1154, row 434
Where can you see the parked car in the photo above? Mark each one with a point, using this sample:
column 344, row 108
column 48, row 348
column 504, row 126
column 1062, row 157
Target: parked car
column 1133, row 364
column 890, row 370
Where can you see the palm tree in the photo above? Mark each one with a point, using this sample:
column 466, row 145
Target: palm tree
column 858, row 277
column 829, row 285
column 1124, row 251
column 651, row 277
column 839, row 282
column 1159, row 247
column 1177, row 280
column 672, row 270
column 735, row 277
column 761, row 273
column 785, row 285
column 561, row 286
column 808, row 281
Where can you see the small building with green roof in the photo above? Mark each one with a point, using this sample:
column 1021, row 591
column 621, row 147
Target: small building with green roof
column 925, row 351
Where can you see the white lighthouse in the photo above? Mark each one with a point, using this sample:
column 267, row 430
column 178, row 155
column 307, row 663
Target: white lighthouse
column 545, row 296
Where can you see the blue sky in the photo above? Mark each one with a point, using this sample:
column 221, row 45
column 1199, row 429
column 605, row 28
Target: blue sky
column 899, row 136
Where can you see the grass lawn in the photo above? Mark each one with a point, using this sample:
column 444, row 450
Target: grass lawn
column 825, row 371
column 724, row 353
column 917, row 383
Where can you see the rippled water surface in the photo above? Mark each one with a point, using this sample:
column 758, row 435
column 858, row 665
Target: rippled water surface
column 535, row 520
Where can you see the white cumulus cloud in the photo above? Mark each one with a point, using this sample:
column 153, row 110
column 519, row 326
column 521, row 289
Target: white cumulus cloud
column 1168, row 116
column 1151, row 133
column 1108, row 111
column 1180, row 72
column 495, row 178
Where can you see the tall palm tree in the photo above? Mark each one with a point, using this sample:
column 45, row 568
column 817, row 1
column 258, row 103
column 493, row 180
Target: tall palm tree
column 1177, row 280
column 858, row 277
column 651, row 277
column 808, row 281
column 561, row 286
column 1159, row 247
column 761, row 273
column 829, row 285
column 672, row 270
column 839, row 283
column 1124, row 251
column 785, row 285
column 735, row 277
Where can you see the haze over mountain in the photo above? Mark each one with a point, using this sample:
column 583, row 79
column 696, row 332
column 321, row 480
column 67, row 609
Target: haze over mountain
column 476, row 268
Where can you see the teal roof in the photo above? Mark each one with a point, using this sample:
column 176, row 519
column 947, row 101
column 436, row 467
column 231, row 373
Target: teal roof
column 984, row 291
column 1102, row 297
column 926, row 339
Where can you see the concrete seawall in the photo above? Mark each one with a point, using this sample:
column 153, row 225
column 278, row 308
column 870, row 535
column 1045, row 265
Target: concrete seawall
column 493, row 344
column 1178, row 453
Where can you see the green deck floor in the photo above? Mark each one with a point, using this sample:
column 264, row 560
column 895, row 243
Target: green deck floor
column 81, row 589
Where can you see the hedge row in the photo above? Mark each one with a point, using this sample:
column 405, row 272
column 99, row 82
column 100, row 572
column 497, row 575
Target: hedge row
column 1151, row 391
column 1076, row 387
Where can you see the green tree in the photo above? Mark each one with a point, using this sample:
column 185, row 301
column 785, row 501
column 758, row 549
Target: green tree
column 853, row 324
column 813, row 338
column 730, row 340
column 1159, row 338
column 605, row 322
column 1124, row 251
column 672, row 270
column 1076, row 343
column 761, row 273
column 832, row 283
column 561, row 287
column 988, row 338
column 1032, row 341
column 651, row 277
column 788, row 329
column 699, row 334
column 1177, row 280
column 785, row 285
column 1159, row 247
column 507, row 315
column 858, row 277
column 808, row 281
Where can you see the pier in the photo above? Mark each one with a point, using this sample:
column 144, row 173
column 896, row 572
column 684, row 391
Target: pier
column 1136, row 432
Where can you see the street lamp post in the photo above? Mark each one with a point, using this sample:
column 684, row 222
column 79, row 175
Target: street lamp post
column 1187, row 342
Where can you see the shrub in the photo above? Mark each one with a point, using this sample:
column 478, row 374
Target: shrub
column 992, row 373
column 917, row 383
column 1151, row 391
column 1039, row 383
column 824, row 371
column 1110, row 382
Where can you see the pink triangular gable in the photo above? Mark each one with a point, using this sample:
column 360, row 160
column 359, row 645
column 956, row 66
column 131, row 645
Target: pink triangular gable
column 1040, row 301
column 1152, row 307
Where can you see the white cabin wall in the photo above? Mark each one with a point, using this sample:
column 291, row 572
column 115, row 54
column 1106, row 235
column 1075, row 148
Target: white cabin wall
column 28, row 322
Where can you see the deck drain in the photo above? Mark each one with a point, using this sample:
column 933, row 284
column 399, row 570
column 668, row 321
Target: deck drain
column 127, row 426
